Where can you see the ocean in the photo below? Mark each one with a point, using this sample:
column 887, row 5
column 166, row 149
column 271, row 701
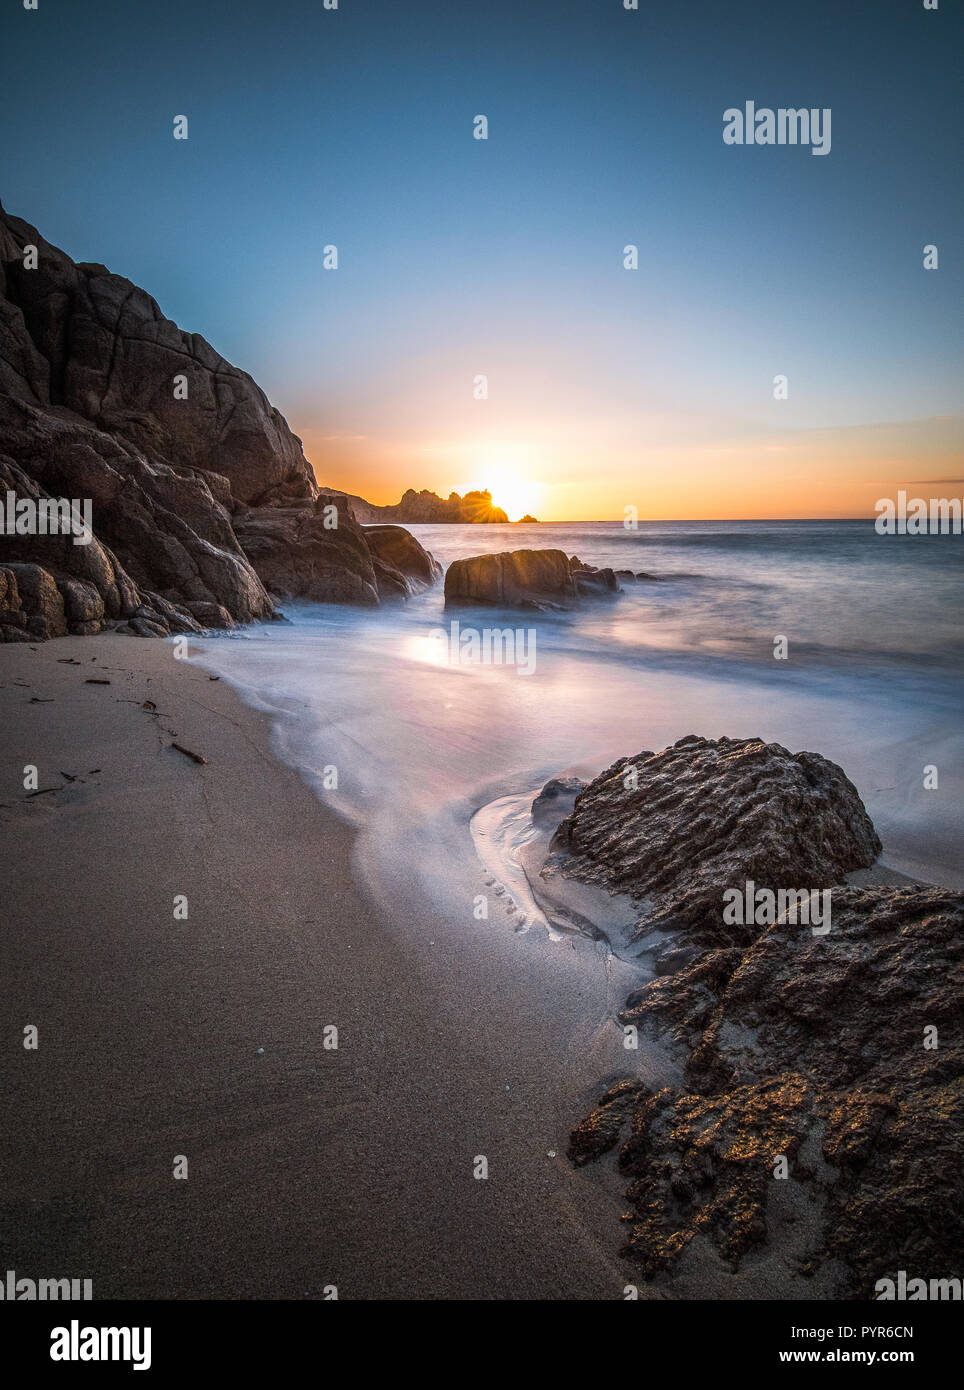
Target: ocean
column 409, row 743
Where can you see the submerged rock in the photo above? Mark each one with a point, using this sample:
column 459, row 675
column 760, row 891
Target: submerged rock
column 595, row 583
column 524, row 579
column 591, row 581
column 555, row 800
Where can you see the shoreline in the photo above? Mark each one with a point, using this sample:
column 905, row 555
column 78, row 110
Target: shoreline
column 307, row 1167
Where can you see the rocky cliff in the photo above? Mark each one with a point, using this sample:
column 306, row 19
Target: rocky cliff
column 204, row 509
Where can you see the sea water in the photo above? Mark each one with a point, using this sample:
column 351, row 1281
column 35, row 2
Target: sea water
column 410, row 742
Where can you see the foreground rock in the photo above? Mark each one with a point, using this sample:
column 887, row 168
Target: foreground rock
column 814, row 1048
column 539, row 579
column 679, row 827
column 428, row 507
column 204, row 509
column 821, row 1072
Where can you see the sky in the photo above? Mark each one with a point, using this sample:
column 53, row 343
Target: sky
column 459, row 258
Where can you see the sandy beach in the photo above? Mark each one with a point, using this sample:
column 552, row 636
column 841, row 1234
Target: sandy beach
column 308, row 1167
column 208, row 1038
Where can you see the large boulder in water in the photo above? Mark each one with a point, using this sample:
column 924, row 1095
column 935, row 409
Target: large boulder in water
column 524, row 579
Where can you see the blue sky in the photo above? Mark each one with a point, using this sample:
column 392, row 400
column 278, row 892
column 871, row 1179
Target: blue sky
column 504, row 257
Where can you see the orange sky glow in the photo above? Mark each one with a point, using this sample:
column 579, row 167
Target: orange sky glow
column 675, row 474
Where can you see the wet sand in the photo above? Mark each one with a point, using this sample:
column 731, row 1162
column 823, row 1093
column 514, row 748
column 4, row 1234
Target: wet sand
column 307, row 1167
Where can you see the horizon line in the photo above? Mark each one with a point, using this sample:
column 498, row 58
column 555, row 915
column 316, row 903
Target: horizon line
column 606, row 521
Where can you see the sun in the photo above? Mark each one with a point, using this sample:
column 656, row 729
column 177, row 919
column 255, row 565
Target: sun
column 515, row 495
column 505, row 470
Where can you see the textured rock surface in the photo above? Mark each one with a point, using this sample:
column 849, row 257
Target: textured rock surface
column 592, row 582
column 524, row 579
column 679, row 826
column 425, row 506
column 595, row 583
column 814, row 1048
column 299, row 554
column 201, row 501
column 400, row 563
column 13, row 619
column 40, row 600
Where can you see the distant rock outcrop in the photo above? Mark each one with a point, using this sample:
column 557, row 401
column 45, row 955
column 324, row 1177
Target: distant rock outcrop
column 798, row 1047
column 204, row 507
column 422, row 507
column 539, row 579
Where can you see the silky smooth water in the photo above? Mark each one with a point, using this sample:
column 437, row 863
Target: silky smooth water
column 420, row 740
